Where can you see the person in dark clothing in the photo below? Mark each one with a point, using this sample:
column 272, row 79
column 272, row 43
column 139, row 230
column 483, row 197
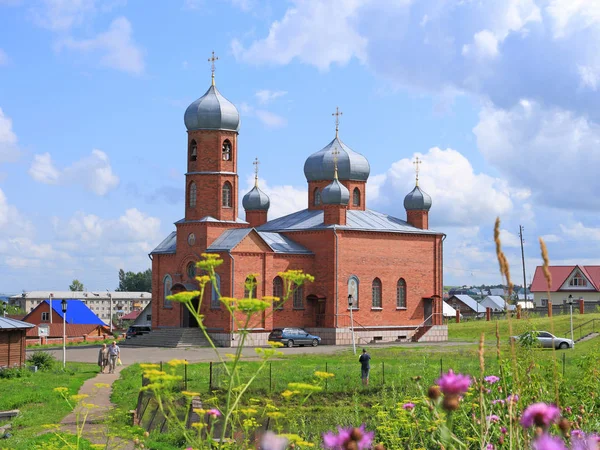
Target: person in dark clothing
column 365, row 366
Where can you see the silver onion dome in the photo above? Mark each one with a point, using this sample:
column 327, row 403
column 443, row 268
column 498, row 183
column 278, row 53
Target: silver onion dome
column 335, row 193
column 417, row 200
column 351, row 165
column 212, row 111
column 256, row 200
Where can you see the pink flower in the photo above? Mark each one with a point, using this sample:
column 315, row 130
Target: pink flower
column 270, row 441
column 540, row 414
column 503, row 430
column 214, row 413
column 490, row 447
column 408, row 406
column 345, row 435
column 454, row 384
column 512, row 398
column 493, row 418
column 491, row 379
column 495, row 402
column 547, row 442
column 579, row 441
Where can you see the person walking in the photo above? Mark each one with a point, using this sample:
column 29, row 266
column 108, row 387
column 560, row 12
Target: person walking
column 115, row 353
column 365, row 366
column 103, row 358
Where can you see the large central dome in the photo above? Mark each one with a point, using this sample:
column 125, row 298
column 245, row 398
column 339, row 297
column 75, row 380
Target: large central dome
column 212, row 111
column 351, row 165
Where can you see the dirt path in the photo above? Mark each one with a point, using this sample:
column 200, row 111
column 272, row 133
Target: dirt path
column 96, row 427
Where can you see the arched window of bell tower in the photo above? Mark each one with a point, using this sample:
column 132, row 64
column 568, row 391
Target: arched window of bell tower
column 193, row 150
column 192, row 195
column 226, row 151
column 356, row 197
column 317, row 200
column 226, row 199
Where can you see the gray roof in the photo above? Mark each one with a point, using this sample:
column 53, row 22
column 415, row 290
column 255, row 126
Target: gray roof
column 168, row 245
column 335, row 193
column 351, row 165
column 355, row 220
column 470, row 302
column 12, row 324
column 496, row 302
column 212, row 111
column 256, row 200
column 278, row 243
column 212, row 219
column 417, row 200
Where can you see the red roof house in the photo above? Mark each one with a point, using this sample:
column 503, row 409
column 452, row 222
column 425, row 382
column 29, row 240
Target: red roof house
column 576, row 282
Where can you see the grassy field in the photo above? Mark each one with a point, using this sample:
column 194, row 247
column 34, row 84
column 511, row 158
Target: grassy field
column 39, row 405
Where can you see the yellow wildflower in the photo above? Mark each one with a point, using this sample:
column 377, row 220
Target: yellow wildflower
column 305, row 387
column 275, row 344
column 275, row 414
column 202, row 280
column 184, row 297
column 149, row 366
column 177, row 362
column 251, row 305
column 324, row 375
column 190, row 394
column 78, row 397
column 287, row 393
column 199, row 411
column 199, row 425
column 248, row 411
column 61, row 389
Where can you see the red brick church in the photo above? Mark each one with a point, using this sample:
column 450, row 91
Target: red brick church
column 389, row 268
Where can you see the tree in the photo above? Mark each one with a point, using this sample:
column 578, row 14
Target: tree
column 76, row 286
column 135, row 282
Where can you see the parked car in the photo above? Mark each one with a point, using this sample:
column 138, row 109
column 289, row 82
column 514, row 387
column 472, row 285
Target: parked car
column 545, row 339
column 137, row 330
column 294, row 336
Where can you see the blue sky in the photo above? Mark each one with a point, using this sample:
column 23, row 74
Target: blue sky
column 499, row 98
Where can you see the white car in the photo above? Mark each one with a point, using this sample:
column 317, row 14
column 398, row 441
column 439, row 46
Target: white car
column 547, row 340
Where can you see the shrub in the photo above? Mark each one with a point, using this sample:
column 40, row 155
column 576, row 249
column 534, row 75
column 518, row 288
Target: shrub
column 14, row 372
column 43, row 360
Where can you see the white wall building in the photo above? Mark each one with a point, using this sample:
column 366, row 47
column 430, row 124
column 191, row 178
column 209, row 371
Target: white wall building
column 575, row 281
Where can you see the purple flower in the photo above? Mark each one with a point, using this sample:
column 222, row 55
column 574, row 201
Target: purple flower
column 493, row 418
column 214, row 413
column 338, row 441
column 503, row 430
column 540, row 414
column 492, row 379
column 512, row 398
column 495, row 402
column 579, row 441
column 547, row 442
column 490, row 447
column 408, row 406
column 270, row 441
column 454, row 384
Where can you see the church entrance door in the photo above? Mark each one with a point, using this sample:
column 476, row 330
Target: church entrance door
column 428, row 311
column 189, row 321
column 320, row 313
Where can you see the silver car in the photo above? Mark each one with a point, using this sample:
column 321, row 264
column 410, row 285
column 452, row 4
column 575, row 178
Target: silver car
column 547, row 340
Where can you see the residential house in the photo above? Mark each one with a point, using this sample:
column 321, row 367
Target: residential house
column 77, row 313
column 575, row 281
column 466, row 304
column 497, row 303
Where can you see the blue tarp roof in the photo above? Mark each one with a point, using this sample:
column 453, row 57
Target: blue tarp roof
column 77, row 312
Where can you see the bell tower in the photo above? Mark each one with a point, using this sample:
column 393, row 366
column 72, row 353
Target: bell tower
column 211, row 179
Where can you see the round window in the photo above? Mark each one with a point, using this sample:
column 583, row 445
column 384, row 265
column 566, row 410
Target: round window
column 191, row 239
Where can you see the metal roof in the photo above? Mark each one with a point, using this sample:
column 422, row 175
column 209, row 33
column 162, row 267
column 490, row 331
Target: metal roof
column 168, row 245
column 278, row 243
column 355, row 220
column 84, row 295
column 12, row 324
column 256, row 200
column 351, row 165
column 212, row 111
column 417, row 200
column 77, row 312
column 212, row 219
column 470, row 302
column 335, row 193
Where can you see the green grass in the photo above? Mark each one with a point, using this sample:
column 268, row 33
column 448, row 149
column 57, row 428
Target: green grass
column 471, row 331
column 34, row 396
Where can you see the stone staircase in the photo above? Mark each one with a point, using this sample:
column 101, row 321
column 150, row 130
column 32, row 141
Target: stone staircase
column 420, row 333
column 169, row 337
column 587, row 337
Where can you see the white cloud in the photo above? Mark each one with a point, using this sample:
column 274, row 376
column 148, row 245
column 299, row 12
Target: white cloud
column 114, row 48
column 461, row 197
column 93, row 172
column 3, row 58
column 314, row 32
column 590, row 76
column 268, row 118
column 485, row 45
column 551, row 238
column 579, row 231
column 9, row 150
column 573, row 15
column 62, row 15
column 265, row 96
column 552, row 152
column 509, row 239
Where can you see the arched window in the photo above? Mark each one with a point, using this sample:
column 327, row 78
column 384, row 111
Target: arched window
column 226, row 150
column 215, row 303
column 278, row 292
column 193, row 150
column 250, row 287
column 317, row 197
column 299, row 297
column 193, row 194
column 353, row 291
column 167, row 285
column 227, row 195
column 356, row 197
column 191, row 270
column 401, row 294
column 376, row 291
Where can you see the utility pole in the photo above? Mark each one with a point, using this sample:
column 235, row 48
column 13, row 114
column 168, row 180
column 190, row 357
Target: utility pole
column 523, row 260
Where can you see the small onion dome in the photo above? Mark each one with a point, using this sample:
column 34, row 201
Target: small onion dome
column 335, row 193
column 417, row 200
column 212, row 111
column 256, row 200
column 351, row 165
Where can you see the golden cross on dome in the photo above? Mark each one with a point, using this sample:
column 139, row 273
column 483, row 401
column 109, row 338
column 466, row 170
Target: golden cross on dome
column 212, row 60
column 335, row 154
column 417, row 162
column 256, row 163
column 337, row 115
